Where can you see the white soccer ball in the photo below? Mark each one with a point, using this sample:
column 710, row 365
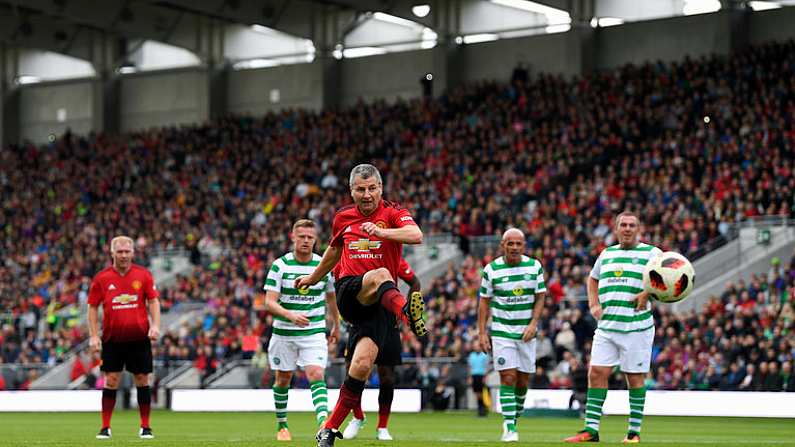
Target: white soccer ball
column 669, row 277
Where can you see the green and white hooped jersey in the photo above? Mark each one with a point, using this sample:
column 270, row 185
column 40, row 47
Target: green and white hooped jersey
column 512, row 291
column 620, row 276
column 310, row 302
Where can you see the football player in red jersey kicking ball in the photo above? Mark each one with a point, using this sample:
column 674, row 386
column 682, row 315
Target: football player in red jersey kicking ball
column 367, row 240
column 124, row 290
column 388, row 356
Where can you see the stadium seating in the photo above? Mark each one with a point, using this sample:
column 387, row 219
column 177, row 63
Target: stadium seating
column 556, row 158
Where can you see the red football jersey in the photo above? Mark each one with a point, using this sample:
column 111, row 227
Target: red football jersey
column 124, row 300
column 405, row 273
column 362, row 252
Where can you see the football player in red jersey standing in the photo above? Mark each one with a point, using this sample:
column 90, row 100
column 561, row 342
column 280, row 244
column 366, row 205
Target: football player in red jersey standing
column 124, row 290
column 367, row 240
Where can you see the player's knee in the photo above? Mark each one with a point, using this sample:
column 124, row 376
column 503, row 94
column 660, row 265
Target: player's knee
column 314, row 374
column 596, row 374
column 381, row 275
column 361, row 366
column 112, row 380
column 508, row 379
column 141, row 379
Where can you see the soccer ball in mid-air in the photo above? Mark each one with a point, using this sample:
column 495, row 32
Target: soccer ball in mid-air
column 669, row 277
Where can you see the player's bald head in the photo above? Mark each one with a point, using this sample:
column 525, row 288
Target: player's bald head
column 511, row 233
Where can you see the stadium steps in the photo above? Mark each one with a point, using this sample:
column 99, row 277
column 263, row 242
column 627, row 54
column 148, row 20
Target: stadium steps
column 740, row 258
column 166, row 265
column 186, row 376
column 432, row 258
column 232, row 374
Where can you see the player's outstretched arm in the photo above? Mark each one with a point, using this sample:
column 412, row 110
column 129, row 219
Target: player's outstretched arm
column 409, row 234
column 330, row 258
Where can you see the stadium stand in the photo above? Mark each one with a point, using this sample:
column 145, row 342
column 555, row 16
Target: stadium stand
column 554, row 157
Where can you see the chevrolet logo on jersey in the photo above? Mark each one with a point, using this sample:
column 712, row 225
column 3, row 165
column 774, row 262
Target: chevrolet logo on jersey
column 125, row 299
column 364, row 245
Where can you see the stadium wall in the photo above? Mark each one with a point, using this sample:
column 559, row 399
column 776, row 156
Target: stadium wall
column 164, row 98
column 53, row 107
column 665, row 39
column 775, row 24
column 250, row 91
column 387, row 76
column 496, row 60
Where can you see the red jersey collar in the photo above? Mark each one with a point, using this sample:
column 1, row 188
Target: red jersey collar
column 113, row 267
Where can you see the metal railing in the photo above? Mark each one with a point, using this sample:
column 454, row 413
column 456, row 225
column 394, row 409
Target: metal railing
column 224, row 369
column 173, row 372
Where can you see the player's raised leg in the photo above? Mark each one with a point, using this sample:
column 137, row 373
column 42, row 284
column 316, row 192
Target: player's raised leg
column 379, row 286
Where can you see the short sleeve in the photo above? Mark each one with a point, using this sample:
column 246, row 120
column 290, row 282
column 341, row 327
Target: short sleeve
column 596, row 270
column 151, row 289
column 486, row 290
column 95, row 293
column 401, row 218
column 273, row 282
column 336, row 233
column 541, row 286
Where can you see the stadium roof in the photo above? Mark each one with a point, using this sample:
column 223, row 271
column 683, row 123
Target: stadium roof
column 101, row 31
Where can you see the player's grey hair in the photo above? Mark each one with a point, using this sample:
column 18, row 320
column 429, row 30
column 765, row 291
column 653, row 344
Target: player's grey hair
column 512, row 230
column 364, row 171
column 115, row 241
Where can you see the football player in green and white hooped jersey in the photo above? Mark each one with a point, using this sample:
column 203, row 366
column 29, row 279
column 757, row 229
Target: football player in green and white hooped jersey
column 299, row 324
column 625, row 332
column 513, row 290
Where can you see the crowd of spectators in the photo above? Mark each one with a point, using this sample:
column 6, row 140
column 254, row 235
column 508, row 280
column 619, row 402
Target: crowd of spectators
column 554, row 157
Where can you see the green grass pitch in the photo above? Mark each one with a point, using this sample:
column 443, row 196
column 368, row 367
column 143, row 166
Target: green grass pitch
column 410, row 430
